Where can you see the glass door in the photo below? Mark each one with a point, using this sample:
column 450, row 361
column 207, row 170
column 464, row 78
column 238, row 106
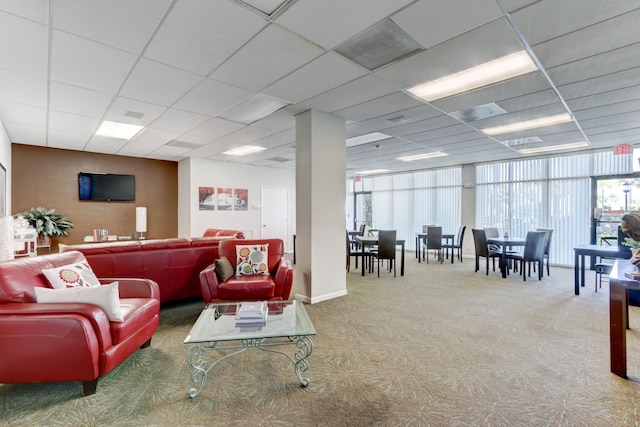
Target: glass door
column 362, row 209
column 612, row 197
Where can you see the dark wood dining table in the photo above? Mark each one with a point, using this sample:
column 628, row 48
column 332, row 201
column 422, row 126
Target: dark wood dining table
column 372, row 241
column 505, row 243
column 423, row 237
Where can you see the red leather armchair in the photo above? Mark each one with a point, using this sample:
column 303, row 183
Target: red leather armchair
column 56, row 342
column 275, row 286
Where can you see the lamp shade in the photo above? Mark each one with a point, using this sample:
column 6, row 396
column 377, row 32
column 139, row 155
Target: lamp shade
column 141, row 219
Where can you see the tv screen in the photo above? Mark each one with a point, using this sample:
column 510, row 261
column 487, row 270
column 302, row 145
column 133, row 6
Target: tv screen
column 106, row 186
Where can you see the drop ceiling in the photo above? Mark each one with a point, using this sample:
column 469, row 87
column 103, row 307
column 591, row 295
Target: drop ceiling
column 187, row 69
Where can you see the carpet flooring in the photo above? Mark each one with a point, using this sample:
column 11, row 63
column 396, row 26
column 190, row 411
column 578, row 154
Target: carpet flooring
column 441, row 346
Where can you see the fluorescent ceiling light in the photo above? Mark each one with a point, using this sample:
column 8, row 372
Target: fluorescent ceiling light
column 422, row 156
column 553, row 148
column 366, row 138
column 244, row 150
column 491, row 72
column 118, row 130
column 529, row 124
column 371, row 171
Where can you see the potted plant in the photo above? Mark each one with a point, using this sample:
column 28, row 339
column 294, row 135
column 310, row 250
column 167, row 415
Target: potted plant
column 47, row 224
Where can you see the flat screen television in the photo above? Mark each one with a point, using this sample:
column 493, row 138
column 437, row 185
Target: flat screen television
column 106, row 186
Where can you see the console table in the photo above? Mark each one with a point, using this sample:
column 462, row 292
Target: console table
column 619, row 284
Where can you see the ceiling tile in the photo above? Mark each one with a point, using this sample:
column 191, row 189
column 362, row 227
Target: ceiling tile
column 25, row 43
column 23, row 89
column 147, row 141
column 101, row 144
column 275, row 52
column 361, row 90
column 73, row 99
column 125, row 110
column 67, row 139
column 23, row 114
column 35, row 10
column 199, row 35
column 179, row 120
column 210, row 97
column 80, row 62
column 216, row 128
column 123, row 24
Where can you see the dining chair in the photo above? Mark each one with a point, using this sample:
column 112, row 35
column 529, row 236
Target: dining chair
column 482, row 249
column 457, row 244
column 354, row 252
column 547, row 246
column 493, row 232
column 533, row 253
column 386, row 249
column 434, row 243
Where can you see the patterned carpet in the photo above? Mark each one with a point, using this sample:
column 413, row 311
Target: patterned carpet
column 441, row 346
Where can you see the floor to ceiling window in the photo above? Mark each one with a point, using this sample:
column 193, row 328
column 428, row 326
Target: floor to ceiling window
column 406, row 202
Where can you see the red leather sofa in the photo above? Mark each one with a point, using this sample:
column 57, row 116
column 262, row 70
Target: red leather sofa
column 57, row 342
column 275, row 286
column 174, row 264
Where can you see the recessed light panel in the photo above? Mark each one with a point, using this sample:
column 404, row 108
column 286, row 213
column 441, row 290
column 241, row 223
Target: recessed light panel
column 371, row 171
column 422, row 156
column 244, row 150
column 507, row 67
column 366, row 138
column 380, row 45
column 528, row 124
column 553, row 148
column 118, row 130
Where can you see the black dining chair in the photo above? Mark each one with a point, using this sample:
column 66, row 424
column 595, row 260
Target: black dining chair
column 434, row 243
column 386, row 249
column 547, row 246
column 355, row 251
column 457, row 244
column 482, row 249
column 533, row 253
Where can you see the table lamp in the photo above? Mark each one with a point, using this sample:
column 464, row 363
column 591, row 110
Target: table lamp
column 141, row 221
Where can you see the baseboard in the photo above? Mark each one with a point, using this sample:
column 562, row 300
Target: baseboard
column 325, row 297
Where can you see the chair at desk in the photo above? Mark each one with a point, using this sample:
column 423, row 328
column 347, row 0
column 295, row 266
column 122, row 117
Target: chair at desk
column 354, row 251
column 602, row 269
column 533, row 253
column 434, row 243
column 457, row 244
column 386, row 249
column 482, row 249
column 547, row 246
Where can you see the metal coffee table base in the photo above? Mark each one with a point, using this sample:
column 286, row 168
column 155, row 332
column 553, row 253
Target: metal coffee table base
column 196, row 356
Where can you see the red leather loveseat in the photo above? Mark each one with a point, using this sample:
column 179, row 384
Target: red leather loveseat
column 55, row 342
column 274, row 286
column 219, row 232
column 174, row 264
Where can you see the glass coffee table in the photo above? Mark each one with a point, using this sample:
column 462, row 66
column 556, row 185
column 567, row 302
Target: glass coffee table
column 288, row 324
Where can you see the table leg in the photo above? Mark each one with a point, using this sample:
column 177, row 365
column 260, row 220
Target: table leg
column 503, row 267
column 582, row 268
column 576, row 270
column 363, row 263
column 617, row 328
column 402, row 261
column 418, row 248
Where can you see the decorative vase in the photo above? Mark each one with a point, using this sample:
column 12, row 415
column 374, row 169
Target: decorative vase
column 44, row 240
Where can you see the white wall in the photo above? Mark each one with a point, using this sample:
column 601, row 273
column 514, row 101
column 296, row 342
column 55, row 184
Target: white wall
column 5, row 159
column 194, row 173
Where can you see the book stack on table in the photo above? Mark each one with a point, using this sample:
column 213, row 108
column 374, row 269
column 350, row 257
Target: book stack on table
column 252, row 314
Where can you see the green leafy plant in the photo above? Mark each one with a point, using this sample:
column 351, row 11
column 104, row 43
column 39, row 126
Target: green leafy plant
column 47, row 222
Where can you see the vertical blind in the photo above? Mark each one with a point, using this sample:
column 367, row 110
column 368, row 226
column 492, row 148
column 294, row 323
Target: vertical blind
column 551, row 193
column 406, row 202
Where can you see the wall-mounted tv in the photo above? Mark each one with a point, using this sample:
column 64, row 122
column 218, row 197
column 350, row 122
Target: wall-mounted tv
column 106, row 186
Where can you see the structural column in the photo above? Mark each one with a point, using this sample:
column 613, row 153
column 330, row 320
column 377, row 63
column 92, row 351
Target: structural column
column 320, row 207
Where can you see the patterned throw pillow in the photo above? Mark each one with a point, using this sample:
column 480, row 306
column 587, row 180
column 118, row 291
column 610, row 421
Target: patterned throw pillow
column 78, row 275
column 252, row 259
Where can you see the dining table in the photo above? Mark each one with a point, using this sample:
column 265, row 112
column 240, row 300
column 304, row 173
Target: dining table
column 505, row 243
column 366, row 241
column 593, row 251
column 422, row 237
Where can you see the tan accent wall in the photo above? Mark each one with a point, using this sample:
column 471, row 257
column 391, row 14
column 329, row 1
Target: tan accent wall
column 48, row 177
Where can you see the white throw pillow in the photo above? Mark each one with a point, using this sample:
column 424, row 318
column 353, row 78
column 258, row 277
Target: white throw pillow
column 78, row 275
column 104, row 296
column 252, row 259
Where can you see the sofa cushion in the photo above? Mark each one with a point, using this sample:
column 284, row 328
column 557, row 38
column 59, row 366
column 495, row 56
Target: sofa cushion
column 104, row 296
column 252, row 259
column 77, row 275
column 135, row 311
column 224, row 269
column 240, row 288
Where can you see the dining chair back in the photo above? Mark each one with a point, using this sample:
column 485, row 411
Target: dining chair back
column 434, row 242
column 482, row 248
column 533, row 253
column 547, row 246
column 456, row 246
column 386, row 249
column 492, row 231
column 354, row 251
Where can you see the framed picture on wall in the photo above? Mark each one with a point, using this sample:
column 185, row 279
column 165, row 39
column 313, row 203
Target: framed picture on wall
column 225, row 199
column 207, row 198
column 241, row 198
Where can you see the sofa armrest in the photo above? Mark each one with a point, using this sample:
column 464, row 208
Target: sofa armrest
column 209, row 283
column 134, row 288
column 283, row 279
column 95, row 316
